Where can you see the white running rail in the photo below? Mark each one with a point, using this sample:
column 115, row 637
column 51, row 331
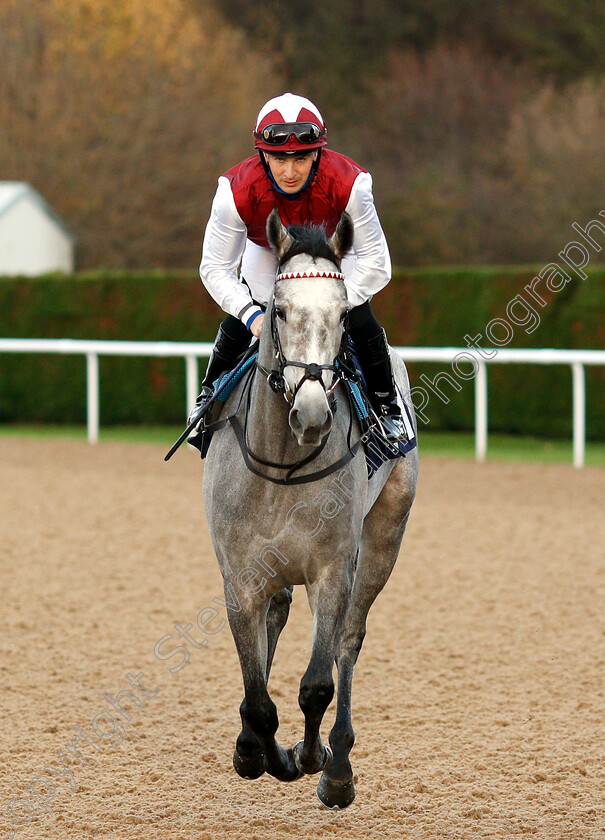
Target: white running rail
column 192, row 351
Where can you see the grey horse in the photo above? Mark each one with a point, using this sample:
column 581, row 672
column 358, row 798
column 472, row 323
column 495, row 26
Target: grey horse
column 288, row 502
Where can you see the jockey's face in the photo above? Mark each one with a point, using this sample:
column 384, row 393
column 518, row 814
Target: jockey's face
column 290, row 171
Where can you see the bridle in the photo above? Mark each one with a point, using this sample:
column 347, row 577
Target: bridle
column 340, row 368
column 313, row 372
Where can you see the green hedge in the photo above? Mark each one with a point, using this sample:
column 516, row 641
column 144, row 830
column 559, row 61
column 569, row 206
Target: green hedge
column 423, row 307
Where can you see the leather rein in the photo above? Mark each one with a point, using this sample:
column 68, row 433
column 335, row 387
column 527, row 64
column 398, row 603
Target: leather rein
column 278, row 383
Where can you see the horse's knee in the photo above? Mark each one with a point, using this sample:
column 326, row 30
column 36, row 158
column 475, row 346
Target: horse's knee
column 315, row 696
column 349, row 647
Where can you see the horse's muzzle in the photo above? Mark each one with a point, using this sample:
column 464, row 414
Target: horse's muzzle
column 310, row 421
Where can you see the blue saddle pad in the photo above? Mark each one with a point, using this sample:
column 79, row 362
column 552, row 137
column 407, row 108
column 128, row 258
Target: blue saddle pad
column 225, row 384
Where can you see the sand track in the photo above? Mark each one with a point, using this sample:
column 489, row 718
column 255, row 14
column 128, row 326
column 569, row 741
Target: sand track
column 479, row 699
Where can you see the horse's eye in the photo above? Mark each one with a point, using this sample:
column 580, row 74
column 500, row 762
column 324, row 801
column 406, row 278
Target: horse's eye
column 280, row 313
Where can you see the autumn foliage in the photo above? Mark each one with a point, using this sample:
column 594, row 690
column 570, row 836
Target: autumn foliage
column 123, row 114
column 482, row 124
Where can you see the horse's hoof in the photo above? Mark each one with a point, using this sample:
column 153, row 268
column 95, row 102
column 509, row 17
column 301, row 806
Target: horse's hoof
column 288, row 770
column 335, row 794
column 297, row 753
column 249, row 767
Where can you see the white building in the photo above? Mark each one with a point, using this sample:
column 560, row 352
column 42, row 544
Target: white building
column 33, row 238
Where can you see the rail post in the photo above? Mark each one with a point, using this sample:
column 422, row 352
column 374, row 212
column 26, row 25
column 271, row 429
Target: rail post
column 92, row 397
column 481, row 411
column 579, row 414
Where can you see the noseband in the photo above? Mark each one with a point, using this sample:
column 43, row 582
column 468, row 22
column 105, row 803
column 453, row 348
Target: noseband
column 313, row 372
column 340, row 368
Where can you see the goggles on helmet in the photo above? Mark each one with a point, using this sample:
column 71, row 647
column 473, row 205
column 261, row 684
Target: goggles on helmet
column 277, row 134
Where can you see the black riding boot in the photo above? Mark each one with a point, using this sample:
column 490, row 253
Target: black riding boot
column 376, row 366
column 230, row 342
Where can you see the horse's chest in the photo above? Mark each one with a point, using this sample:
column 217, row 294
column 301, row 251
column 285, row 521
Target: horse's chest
column 286, row 542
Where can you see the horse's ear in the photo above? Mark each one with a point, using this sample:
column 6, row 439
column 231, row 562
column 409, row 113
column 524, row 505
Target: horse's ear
column 277, row 235
column 341, row 240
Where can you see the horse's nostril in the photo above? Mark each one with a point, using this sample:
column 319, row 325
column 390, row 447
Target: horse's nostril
column 295, row 423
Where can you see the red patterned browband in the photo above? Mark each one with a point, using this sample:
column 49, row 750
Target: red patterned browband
column 295, row 275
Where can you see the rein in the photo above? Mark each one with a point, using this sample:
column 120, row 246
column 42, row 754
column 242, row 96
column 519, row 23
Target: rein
column 249, row 456
column 278, row 383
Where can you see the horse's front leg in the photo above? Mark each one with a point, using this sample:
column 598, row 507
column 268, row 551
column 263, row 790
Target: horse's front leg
column 378, row 554
column 328, row 598
column 279, row 610
column 256, row 748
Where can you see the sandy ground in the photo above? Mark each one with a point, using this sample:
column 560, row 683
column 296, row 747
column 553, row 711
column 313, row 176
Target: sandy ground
column 479, row 700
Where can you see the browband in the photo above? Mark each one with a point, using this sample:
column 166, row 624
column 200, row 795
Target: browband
column 295, row 275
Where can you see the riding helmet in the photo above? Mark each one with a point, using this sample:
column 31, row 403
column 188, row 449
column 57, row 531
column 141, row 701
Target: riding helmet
column 289, row 123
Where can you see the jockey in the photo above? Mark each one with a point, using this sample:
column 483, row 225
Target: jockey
column 308, row 183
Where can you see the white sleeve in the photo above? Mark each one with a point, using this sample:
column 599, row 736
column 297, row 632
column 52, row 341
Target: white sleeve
column 367, row 268
column 224, row 243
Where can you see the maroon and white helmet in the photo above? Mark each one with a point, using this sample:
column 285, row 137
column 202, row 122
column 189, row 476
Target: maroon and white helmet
column 289, row 123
